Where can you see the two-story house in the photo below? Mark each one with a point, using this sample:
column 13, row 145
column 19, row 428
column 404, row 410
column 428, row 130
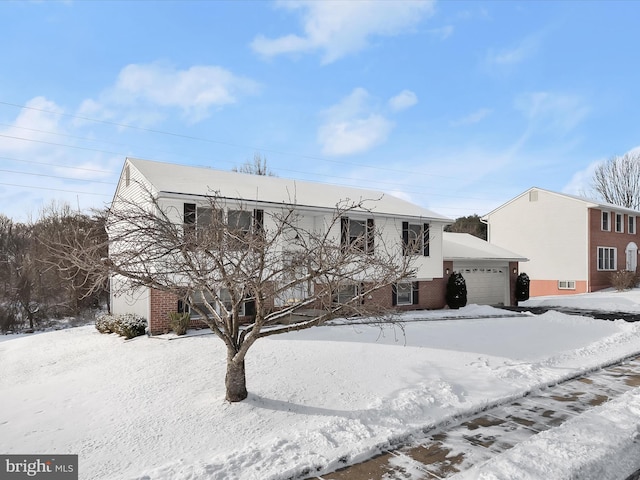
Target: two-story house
column 573, row 243
column 184, row 190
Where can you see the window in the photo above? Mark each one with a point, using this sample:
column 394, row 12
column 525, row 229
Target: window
column 619, row 223
column 632, row 224
column 225, row 298
column 415, row 239
column 345, row 293
column 200, row 300
column 295, row 269
column 405, row 293
column 566, row 285
column 239, row 220
column 357, row 235
column 206, row 222
column 606, row 258
column 605, row 221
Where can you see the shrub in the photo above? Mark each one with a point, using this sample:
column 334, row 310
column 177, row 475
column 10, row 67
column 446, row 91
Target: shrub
column 179, row 322
column 522, row 287
column 128, row 325
column 624, row 280
column 105, row 323
column 456, row 295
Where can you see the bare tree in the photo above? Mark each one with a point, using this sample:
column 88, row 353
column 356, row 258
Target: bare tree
column 285, row 274
column 617, row 180
column 256, row 167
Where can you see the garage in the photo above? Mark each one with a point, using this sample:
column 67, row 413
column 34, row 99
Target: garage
column 486, row 284
column 486, row 268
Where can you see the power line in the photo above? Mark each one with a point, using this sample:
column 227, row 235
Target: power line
column 55, row 176
column 56, row 189
column 218, row 142
column 56, row 165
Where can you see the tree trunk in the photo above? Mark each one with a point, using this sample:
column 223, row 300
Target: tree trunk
column 235, row 380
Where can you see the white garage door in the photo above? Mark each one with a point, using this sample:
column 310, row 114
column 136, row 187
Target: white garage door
column 486, row 284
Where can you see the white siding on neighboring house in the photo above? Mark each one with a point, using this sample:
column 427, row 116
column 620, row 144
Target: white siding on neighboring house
column 549, row 229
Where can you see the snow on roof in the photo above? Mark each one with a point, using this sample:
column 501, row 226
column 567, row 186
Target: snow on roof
column 181, row 179
column 589, row 202
column 463, row 246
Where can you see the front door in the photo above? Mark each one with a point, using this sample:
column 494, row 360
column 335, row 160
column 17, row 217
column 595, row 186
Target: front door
column 632, row 257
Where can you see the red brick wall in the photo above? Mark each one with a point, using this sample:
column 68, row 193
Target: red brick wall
column 599, row 238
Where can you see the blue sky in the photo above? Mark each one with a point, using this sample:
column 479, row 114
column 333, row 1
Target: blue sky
column 456, row 106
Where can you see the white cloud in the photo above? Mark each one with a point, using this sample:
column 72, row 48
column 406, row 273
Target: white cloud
column 555, row 111
column 443, row 32
column 516, row 54
column 340, row 28
column 580, row 183
column 144, row 88
column 38, row 122
column 352, row 127
column 472, row 118
column 405, row 99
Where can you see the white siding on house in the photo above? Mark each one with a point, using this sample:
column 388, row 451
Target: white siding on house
column 125, row 301
column 547, row 228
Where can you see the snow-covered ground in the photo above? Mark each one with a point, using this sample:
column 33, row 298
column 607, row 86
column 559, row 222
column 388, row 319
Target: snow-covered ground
column 150, row 408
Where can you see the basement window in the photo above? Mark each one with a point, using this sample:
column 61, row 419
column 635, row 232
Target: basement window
column 566, row 285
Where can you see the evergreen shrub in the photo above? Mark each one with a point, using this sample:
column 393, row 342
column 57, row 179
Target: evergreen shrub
column 456, row 295
column 522, row 287
column 128, row 325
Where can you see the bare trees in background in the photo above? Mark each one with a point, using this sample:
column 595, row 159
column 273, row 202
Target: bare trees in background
column 617, row 180
column 256, row 167
column 245, row 272
column 34, row 284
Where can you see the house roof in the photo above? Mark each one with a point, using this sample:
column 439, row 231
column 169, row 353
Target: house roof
column 463, row 246
column 588, row 202
column 170, row 178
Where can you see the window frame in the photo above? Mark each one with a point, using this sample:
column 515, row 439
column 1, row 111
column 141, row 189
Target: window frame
column 407, row 286
column 341, row 291
column 631, row 224
column 363, row 242
column 607, row 259
column 605, row 221
column 619, row 222
column 421, row 248
column 569, row 285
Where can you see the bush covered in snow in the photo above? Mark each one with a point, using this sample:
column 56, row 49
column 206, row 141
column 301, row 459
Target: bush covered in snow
column 128, row 325
column 456, row 295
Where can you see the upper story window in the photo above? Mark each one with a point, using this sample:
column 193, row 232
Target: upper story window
column 606, row 226
column 208, row 223
column 606, row 258
column 619, row 223
column 357, row 235
column 415, row 239
column 631, row 228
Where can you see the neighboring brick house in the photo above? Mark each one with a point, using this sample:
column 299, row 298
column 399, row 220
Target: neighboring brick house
column 573, row 243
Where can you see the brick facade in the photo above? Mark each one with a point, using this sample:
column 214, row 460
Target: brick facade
column 431, row 296
column 599, row 279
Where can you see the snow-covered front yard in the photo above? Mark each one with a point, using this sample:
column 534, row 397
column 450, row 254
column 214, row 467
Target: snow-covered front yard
column 150, row 408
